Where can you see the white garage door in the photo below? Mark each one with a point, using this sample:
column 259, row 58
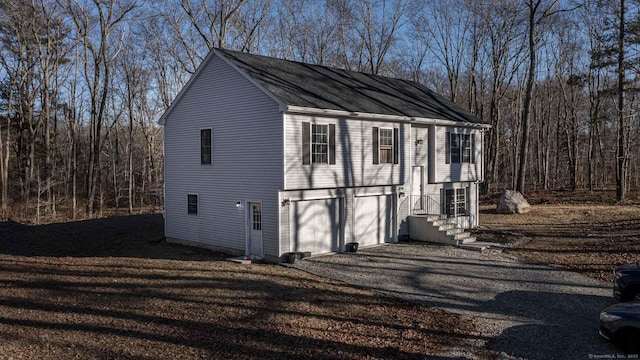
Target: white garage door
column 315, row 226
column 373, row 217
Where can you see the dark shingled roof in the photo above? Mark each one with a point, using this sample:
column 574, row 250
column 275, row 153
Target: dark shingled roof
column 314, row 86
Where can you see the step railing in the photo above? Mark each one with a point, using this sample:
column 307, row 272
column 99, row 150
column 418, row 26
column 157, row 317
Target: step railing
column 426, row 205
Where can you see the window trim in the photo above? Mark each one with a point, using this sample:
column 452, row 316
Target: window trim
column 197, row 204
column 324, row 154
column 381, row 146
column 465, row 153
column 308, row 143
column 204, row 147
column 377, row 147
column 451, row 208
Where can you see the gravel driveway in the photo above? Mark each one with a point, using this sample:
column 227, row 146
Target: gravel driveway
column 524, row 310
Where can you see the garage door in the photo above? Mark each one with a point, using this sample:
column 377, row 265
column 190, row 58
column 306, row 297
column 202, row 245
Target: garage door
column 373, row 217
column 315, row 226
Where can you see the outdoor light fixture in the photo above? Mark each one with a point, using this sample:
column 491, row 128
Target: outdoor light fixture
column 239, row 204
column 285, row 202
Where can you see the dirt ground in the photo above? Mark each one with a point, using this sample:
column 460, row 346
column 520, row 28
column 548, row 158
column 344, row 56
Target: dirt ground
column 109, row 289
column 112, row 289
column 584, row 237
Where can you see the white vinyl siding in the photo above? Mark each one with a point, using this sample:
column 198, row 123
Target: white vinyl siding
column 420, row 143
column 353, row 155
column 246, row 165
column 442, row 172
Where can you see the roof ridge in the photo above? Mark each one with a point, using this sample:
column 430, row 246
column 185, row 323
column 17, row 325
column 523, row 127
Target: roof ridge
column 311, row 64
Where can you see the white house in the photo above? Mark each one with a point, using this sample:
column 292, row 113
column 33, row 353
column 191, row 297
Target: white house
column 265, row 156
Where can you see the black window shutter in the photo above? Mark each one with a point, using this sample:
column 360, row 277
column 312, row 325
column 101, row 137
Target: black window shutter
column 306, row 143
column 376, row 152
column 473, row 148
column 447, row 146
column 332, row 144
column 396, row 146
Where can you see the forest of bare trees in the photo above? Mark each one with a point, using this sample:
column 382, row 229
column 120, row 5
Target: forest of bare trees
column 83, row 83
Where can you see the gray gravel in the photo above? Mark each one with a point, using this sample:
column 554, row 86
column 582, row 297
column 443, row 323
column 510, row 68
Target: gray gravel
column 524, row 310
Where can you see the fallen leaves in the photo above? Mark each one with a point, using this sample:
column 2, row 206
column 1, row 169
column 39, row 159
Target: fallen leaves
column 586, row 238
column 102, row 294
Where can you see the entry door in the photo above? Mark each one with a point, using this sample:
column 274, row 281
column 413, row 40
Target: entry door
column 255, row 226
column 417, row 188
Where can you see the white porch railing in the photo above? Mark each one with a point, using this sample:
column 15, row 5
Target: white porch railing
column 426, row 205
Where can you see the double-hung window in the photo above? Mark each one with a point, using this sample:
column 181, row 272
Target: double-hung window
column 318, row 143
column 459, row 148
column 385, row 145
column 466, row 148
column 205, row 147
column 455, row 148
column 455, row 202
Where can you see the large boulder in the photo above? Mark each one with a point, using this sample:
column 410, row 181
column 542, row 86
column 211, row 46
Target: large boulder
column 512, row 202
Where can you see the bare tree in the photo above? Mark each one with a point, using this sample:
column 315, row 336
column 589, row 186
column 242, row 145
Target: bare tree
column 445, row 30
column 504, row 52
column 99, row 53
column 622, row 159
column 536, row 17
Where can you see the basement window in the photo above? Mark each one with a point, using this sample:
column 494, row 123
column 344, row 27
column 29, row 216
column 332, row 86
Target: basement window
column 455, row 202
column 192, row 204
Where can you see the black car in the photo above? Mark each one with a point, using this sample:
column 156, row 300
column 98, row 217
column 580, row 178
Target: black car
column 620, row 324
column 626, row 282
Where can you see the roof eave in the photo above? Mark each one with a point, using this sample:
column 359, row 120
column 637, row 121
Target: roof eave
column 443, row 122
column 290, row 109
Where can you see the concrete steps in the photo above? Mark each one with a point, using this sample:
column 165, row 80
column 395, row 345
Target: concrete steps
column 440, row 229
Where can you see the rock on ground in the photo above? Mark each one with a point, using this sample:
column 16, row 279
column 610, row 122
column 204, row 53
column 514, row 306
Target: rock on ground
column 512, row 202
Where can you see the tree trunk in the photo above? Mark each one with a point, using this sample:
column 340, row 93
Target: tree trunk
column 526, row 111
column 621, row 156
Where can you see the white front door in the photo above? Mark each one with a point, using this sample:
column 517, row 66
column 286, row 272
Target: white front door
column 417, row 188
column 255, row 229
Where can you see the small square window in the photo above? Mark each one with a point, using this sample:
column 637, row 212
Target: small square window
column 192, row 204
